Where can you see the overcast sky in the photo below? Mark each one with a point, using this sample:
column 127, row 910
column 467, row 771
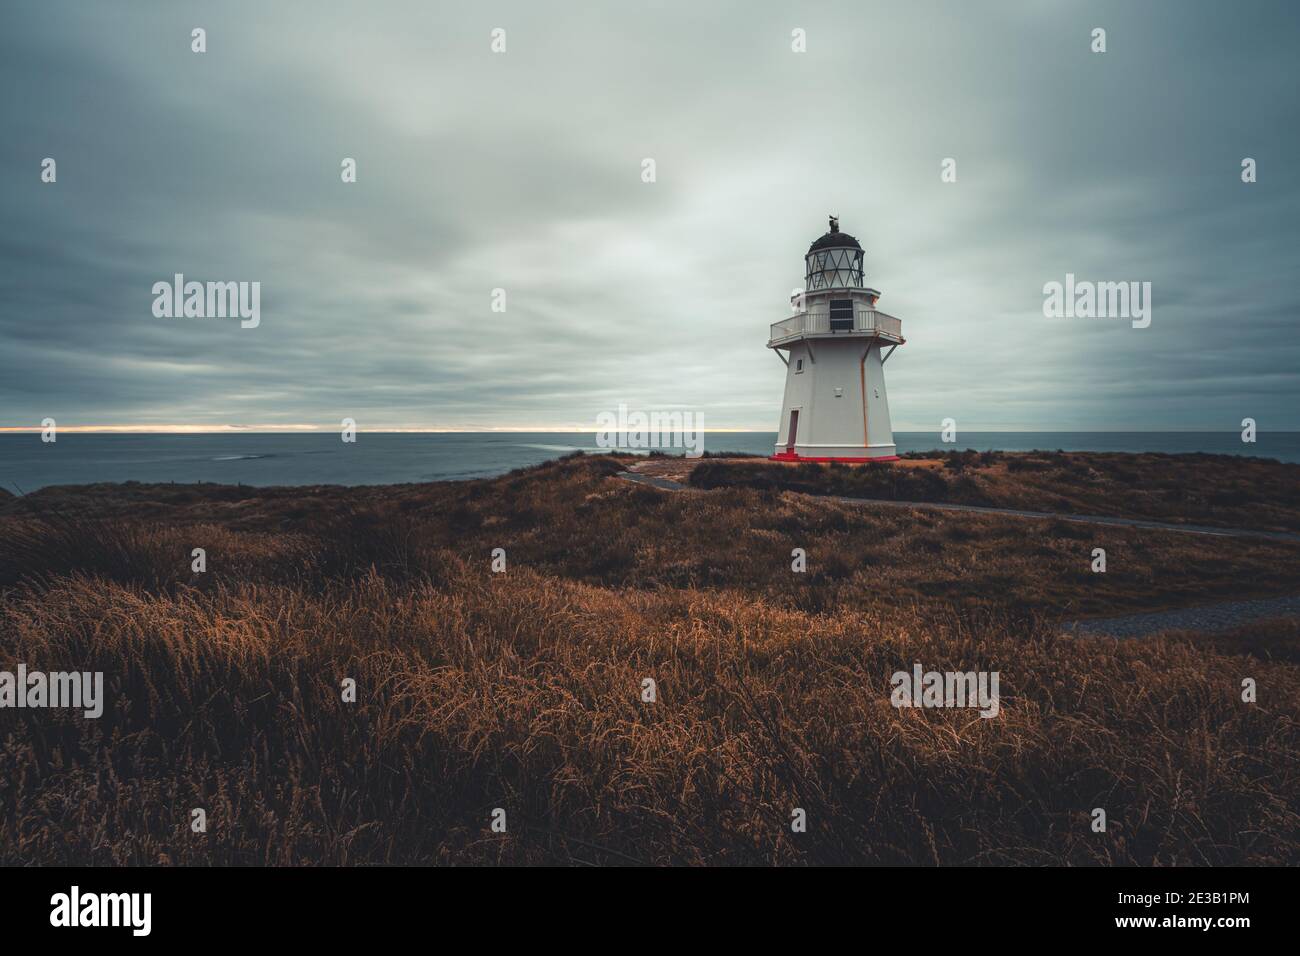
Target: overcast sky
column 522, row 171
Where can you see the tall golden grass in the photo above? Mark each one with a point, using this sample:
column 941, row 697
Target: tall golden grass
column 522, row 691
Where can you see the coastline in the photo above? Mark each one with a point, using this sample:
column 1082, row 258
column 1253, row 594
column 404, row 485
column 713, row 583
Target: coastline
column 270, row 459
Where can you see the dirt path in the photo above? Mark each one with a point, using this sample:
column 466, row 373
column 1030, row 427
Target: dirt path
column 1207, row 618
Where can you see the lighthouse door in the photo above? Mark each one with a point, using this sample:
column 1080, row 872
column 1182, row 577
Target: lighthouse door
column 794, row 431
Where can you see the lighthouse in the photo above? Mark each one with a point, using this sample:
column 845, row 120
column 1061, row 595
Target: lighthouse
column 835, row 347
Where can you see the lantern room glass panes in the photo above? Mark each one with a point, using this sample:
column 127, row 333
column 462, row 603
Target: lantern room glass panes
column 834, row 269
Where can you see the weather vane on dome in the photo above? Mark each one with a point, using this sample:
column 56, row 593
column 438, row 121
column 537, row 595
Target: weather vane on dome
column 835, row 223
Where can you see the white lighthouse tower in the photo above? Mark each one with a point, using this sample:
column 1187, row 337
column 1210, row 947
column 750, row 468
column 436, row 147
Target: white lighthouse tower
column 835, row 405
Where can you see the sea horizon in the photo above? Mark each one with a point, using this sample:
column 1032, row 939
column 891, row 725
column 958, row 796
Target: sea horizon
column 266, row 459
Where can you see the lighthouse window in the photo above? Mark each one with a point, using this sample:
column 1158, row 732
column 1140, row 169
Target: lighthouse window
column 841, row 315
column 798, row 365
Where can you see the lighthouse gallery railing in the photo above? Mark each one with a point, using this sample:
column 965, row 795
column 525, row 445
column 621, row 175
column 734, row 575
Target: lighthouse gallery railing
column 818, row 323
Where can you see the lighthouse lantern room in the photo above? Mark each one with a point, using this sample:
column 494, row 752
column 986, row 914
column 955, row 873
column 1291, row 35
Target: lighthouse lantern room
column 835, row 405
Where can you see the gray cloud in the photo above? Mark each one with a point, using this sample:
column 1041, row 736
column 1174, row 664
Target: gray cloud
column 522, row 171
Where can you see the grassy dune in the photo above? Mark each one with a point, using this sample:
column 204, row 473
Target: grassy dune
column 1221, row 490
column 522, row 690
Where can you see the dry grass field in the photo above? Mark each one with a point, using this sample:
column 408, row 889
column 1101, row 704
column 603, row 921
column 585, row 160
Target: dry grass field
column 522, row 690
column 1221, row 490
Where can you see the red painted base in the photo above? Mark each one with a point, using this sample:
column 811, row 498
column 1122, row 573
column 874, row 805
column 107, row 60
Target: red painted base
column 791, row 456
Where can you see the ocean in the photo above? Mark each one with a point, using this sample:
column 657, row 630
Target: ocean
column 27, row 463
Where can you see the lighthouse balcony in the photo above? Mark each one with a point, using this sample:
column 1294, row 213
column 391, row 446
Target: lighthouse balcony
column 869, row 323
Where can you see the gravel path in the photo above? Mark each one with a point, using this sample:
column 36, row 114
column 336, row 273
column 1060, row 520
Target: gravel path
column 1211, row 617
column 654, row 481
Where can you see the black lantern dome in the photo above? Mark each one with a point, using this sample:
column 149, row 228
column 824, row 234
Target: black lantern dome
column 834, row 238
column 834, row 261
